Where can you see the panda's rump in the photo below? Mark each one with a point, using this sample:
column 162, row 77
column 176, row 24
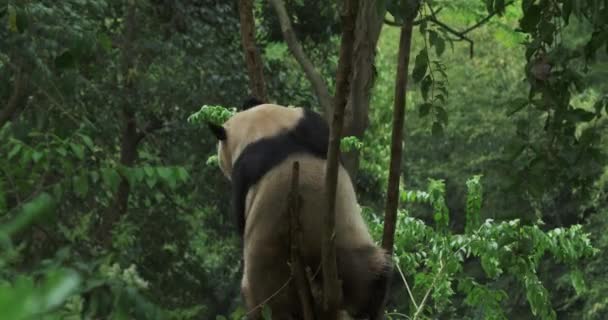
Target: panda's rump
column 267, row 206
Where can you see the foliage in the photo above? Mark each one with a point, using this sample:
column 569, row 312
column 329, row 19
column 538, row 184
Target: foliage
column 434, row 260
column 540, row 144
column 213, row 114
column 350, row 143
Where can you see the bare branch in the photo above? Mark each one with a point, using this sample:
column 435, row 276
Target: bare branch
column 298, row 272
column 315, row 78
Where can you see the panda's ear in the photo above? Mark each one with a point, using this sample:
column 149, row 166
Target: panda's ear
column 250, row 103
column 218, row 131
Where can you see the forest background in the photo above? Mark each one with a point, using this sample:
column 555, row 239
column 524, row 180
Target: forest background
column 112, row 205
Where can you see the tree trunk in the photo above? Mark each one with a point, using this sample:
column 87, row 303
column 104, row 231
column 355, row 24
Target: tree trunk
column 331, row 283
column 255, row 67
column 392, row 193
column 130, row 139
column 367, row 32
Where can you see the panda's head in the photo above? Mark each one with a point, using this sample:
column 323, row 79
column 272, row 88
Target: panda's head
column 253, row 123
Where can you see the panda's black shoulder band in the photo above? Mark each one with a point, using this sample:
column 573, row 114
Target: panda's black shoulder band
column 250, row 102
column 218, row 131
column 309, row 136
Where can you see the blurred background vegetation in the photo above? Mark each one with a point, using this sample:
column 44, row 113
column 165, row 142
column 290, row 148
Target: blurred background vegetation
column 109, row 207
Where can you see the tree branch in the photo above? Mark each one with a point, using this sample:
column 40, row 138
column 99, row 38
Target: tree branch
column 461, row 35
column 331, row 283
column 255, row 67
column 315, row 78
column 297, row 267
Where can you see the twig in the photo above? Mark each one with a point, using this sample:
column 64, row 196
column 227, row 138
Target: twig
column 484, row 20
column 315, row 78
column 298, row 272
column 270, row 297
column 428, row 292
column 461, row 35
column 407, row 286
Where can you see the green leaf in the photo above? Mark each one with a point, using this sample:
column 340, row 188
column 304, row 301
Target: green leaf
column 164, row 173
column 12, row 19
column 437, row 129
column 442, row 115
column 65, row 60
column 182, row 173
column 87, row 141
column 14, row 150
column 111, row 178
column 58, row 287
column 580, row 115
column 150, row 172
column 425, row 85
column 437, row 41
column 81, row 185
column 104, row 42
column 37, row 155
column 424, row 109
column 420, row 65
column 531, row 18
column 266, row 312
column 78, row 150
column 567, row 10
column 578, row 281
column 31, row 212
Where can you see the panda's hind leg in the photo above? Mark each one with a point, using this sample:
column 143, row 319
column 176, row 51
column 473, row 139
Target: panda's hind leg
column 364, row 272
column 267, row 282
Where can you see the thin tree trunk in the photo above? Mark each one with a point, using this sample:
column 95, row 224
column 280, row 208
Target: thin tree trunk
column 255, row 67
column 315, row 78
column 17, row 99
column 367, row 32
column 130, row 140
column 331, row 283
column 392, row 193
column 392, row 201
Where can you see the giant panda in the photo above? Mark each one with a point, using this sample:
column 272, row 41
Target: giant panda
column 256, row 149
